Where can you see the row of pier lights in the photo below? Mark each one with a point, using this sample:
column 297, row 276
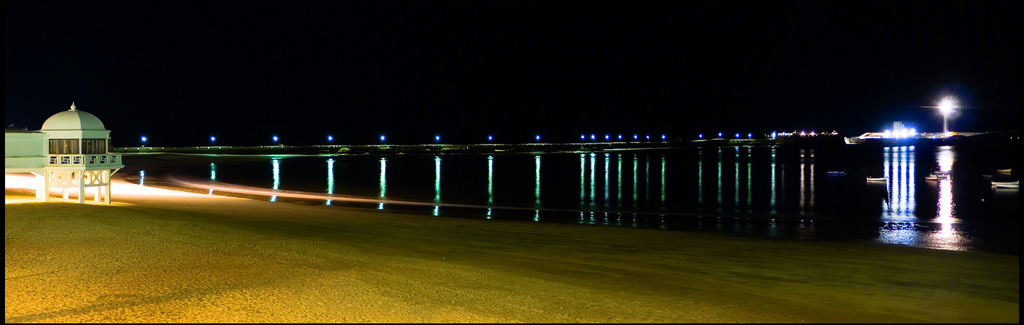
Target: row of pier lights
column 593, row 137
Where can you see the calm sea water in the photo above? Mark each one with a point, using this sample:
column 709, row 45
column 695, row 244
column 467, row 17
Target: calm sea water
column 786, row 193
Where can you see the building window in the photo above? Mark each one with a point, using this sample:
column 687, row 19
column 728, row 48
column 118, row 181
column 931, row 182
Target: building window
column 94, row 146
column 64, row 146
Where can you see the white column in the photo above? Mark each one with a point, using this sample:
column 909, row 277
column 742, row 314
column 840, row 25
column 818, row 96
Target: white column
column 106, row 188
column 81, row 188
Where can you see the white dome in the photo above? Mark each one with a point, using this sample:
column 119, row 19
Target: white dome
column 73, row 119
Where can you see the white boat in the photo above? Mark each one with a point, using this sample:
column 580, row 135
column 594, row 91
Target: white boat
column 933, row 177
column 876, row 179
column 1013, row 184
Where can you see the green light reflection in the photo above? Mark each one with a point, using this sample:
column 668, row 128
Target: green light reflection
column 490, row 182
column 213, row 171
column 383, row 178
column 536, row 190
column 277, row 177
column 437, row 178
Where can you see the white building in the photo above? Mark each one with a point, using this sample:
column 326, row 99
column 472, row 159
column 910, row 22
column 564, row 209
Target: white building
column 72, row 150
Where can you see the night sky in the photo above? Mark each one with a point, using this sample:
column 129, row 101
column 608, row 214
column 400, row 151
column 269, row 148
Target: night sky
column 179, row 71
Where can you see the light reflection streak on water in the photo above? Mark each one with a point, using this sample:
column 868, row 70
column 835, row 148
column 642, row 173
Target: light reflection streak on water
column 490, row 183
column 536, row 190
column 901, row 227
column 810, row 175
column 277, row 177
column 719, row 208
column 606, row 161
column 437, row 178
column 736, row 184
column 593, row 181
column 330, row 178
column 749, row 182
column 383, row 177
column 700, row 178
column 662, row 181
column 947, row 237
column 142, row 177
column 634, row 180
column 213, row 171
column 618, row 184
column 647, row 179
column 583, row 178
column 898, row 165
column 773, row 196
column 803, row 195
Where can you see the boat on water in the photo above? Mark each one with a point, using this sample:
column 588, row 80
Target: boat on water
column 1008, row 185
column 934, row 177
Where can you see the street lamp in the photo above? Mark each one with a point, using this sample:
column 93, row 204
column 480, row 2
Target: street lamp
column 947, row 107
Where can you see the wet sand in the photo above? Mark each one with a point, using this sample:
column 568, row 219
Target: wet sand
column 164, row 256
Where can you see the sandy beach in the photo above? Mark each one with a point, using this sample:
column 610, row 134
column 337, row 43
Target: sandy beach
column 157, row 255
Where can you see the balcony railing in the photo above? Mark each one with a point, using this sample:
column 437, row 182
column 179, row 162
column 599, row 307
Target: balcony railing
column 97, row 160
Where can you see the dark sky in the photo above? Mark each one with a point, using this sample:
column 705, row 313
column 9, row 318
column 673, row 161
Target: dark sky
column 180, row 71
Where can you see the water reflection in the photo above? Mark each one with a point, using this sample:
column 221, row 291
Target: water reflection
column 900, row 227
column 806, row 181
column 593, row 196
column 634, row 180
column 606, row 161
column 700, row 178
column 142, row 177
column 719, row 193
column 583, row 181
column 213, row 171
column 383, row 178
column 749, row 182
column 536, row 189
column 437, row 178
column 772, row 200
column 618, row 183
column 898, row 168
column 490, row 183
column 330, row 178
column 277, row 177
column 663, row 181
column 736, row 183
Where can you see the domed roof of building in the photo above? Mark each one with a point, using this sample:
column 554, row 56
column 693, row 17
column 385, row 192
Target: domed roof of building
column 73, row 119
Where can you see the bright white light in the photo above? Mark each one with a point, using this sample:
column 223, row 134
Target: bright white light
column 212, row 138
column 437, row 138
column 381, row 138
column 635, row 137
column 620, row 137
column 593, row 136
column 947, row 105
column 489, row 138
column 606, row 137
column 887, row 134
column 700, row 135
column 750, row 135
column 719, row 134
column 583, row 137
column 538, row 137
column 143, row 138
column 330, row 138
column 275, row 138
column 663, row 137
column 737, row 135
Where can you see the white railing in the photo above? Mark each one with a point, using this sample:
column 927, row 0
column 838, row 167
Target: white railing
column 103, row 159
